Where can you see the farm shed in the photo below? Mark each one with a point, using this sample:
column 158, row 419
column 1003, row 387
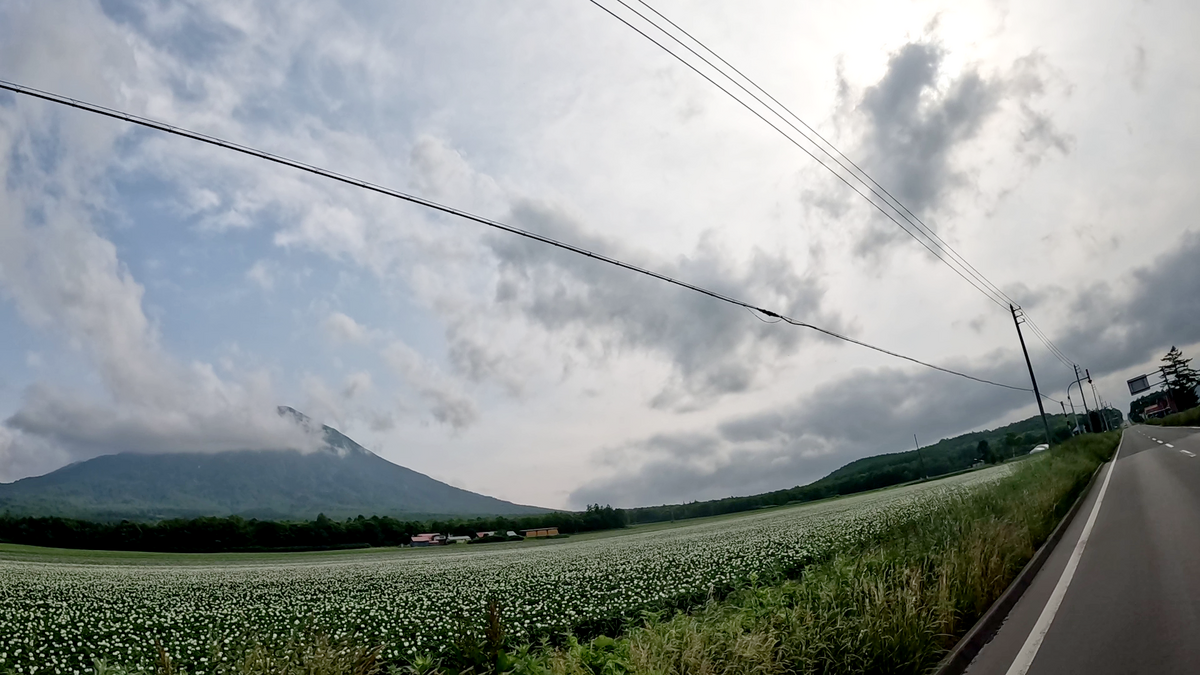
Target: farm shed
column 540, row 532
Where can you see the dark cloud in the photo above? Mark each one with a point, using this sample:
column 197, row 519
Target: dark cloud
column 1115, row 327
column 671, row 480
column 65, row 279
column 1039, row 135
column 447, row 403
column 876, row 411
column 869, row 412
column 912, row 128
column 914, row 123
column 715, row 348
column 381, row 421
column 81, row 428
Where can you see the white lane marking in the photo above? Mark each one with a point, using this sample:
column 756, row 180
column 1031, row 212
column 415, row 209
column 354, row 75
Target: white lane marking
column 1169, row 445
column 1020, row 665
column 1159, row 442
column 1189, row 454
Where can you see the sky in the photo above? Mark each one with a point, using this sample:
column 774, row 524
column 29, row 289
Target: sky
column 160, row 295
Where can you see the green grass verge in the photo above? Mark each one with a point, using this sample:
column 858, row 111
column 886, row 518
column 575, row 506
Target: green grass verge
column 893, row 605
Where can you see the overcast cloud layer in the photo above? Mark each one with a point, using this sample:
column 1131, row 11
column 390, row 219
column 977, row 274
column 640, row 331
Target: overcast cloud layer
column 157, row 295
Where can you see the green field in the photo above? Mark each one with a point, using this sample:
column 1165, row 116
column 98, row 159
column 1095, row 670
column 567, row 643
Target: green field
column 66, row 608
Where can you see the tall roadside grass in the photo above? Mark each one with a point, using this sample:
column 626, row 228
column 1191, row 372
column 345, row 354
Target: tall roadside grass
column 1187, row 418
column 893, row 605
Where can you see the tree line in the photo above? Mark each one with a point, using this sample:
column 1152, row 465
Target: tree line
column 234, row 533
column 1179, row 382
column 879, row 471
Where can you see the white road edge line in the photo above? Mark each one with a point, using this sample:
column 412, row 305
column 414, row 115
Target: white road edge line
column 1021, row 664
column 1189, row 454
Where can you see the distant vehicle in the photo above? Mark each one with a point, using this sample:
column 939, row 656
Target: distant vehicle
column 1042, row 447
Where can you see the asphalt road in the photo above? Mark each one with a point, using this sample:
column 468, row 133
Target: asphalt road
column 1132, row 604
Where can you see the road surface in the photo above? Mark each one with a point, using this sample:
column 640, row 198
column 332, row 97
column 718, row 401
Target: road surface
column 1131, row 603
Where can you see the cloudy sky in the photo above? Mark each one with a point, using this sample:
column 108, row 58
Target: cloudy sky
column 161, row 295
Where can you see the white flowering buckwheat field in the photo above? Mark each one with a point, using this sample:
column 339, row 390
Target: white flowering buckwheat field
column 63, row 610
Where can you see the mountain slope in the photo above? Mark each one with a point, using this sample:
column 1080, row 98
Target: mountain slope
column 869, row 473
column 947, row 455
column 342, row 480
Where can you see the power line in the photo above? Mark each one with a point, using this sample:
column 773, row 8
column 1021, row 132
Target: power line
column 933, row 241
column 755, row 315
column 1048, row 342
column 886, row 213
column 430, row 204
column 1041, row 335
column 977, row 280
column 861, row 174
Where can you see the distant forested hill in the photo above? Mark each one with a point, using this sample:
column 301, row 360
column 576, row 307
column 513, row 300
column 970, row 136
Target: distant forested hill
column 341, row 480
column 869, row 473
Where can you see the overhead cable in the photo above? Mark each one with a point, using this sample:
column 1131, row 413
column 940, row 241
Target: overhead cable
column 854, row 169
column 956, row 261
column 890, row 212
column 430, row 204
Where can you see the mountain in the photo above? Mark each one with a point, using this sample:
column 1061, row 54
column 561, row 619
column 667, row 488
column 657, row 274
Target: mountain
column 869, row 473
column 343, row 479
column 945, row 456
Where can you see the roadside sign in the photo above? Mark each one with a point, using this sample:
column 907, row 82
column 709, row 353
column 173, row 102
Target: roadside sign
column 1139, row 384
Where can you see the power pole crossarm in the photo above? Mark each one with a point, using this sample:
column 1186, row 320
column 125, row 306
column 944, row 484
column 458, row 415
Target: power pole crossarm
column 1033, row 380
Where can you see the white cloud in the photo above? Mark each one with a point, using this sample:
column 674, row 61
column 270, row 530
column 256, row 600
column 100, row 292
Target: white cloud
column 342, row 328
column 446, row 403
column 508, row 356
column 357, row 384
column 67, row 281
column 263, row 273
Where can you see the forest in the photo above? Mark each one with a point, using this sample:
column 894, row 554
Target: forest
column 235, row 533
column 879, row 471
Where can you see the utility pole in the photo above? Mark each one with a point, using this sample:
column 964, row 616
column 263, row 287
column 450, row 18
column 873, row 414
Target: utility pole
column 1079, row 381
column 1073, row 423
column 1036, row 394
column 919, row 457
column 1095, row 394
column 1074, row 419
column 1096, row 398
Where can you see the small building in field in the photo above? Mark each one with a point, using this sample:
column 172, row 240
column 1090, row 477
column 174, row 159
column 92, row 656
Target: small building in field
column 481, row 535
column 428, row 539
column 457, row 539
column 540, row 532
